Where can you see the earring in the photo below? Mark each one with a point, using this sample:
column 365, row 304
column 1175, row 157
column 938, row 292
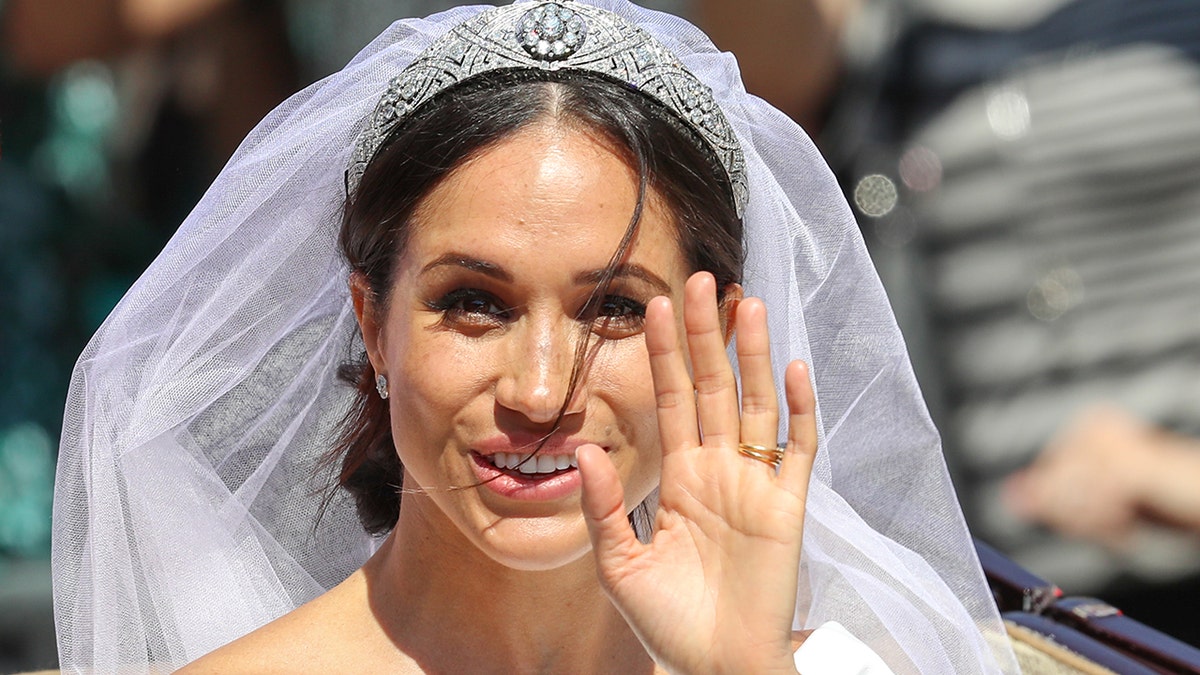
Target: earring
column 381, row 386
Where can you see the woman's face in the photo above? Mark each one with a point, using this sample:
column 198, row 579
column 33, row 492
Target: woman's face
column 482, row 328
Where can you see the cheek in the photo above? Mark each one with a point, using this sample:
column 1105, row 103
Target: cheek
column 623, row 384
column 436, row 377
column 621, row 374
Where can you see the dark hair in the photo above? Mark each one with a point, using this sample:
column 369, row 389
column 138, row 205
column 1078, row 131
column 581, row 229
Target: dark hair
column 459, row 124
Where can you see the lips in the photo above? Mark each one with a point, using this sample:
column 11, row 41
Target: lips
column 507, row 465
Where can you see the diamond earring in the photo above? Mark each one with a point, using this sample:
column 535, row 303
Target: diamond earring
column 381, row 386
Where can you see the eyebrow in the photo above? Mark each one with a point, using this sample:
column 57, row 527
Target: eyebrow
column 590, row 277
column 473, row 264
column 634, row 270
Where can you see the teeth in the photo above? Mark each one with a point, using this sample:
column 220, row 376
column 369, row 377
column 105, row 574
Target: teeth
column 533, row 465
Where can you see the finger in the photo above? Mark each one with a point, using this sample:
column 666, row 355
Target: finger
column 674, row 396
column 802, row 430
column 1030, row 493
column 603, row 504
column 716, row 388
column 760, row 403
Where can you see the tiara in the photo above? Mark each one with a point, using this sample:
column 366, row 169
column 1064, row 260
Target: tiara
column 554, row 36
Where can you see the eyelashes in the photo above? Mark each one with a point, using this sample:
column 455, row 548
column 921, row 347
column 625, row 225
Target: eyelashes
column 472, row 307
column 616, row 308
column 619, row 317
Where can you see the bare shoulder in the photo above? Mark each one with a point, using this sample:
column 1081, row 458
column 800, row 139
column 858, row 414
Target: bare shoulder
column 332, row 633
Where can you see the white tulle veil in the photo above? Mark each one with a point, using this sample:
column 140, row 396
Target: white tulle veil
column 188, row 489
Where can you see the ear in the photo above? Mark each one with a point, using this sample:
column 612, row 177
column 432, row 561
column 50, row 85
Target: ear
column 366, row 310
column 728, row 309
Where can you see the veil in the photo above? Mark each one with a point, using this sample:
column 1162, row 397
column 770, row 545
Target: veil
column 188, row 487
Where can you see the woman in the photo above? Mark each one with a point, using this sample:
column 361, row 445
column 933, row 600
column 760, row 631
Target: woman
column 513, row 206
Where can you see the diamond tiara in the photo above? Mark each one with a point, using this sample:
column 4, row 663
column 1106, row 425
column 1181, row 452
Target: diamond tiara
column 554, row 36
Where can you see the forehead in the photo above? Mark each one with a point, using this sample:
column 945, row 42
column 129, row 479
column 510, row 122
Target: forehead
column 551, row 192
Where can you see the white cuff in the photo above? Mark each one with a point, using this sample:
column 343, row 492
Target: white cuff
column 832, row 650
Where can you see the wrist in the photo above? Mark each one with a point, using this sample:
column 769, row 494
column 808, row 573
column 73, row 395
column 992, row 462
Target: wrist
column 1168, row 479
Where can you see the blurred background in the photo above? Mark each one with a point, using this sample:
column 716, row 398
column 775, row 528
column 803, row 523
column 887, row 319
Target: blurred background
column 1026, row 173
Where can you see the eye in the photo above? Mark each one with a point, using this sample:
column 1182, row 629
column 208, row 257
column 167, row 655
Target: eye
column 617, row 316
column 620, row 307
column 470, row 305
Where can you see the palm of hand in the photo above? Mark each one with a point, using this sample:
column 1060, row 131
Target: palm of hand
column 715, row 589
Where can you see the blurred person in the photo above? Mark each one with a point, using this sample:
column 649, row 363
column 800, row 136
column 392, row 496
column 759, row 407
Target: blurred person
column 791, row 52
column 1028, row 176
column 113, row 117
column 192, row 77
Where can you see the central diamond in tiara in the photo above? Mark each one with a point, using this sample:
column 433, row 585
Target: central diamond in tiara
column 551, row 32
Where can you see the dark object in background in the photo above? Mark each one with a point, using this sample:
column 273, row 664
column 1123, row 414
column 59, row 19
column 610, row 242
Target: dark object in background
column 1040, row 619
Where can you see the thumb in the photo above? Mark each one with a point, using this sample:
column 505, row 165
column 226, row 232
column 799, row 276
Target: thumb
column 603, row 502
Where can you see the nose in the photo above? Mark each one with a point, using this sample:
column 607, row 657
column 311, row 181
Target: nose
column 537, row 376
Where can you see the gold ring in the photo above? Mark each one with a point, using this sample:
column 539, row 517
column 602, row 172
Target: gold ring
column 772, row 456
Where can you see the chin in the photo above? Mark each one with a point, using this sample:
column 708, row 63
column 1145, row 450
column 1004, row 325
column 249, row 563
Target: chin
column 535, row 544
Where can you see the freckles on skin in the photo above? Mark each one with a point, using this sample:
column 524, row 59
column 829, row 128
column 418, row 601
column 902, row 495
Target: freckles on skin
column 624, row 366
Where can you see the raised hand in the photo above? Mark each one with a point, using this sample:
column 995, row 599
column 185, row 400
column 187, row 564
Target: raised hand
column 715, row 590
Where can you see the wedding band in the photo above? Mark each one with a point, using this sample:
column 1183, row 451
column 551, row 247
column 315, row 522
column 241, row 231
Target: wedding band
column 772, row 456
